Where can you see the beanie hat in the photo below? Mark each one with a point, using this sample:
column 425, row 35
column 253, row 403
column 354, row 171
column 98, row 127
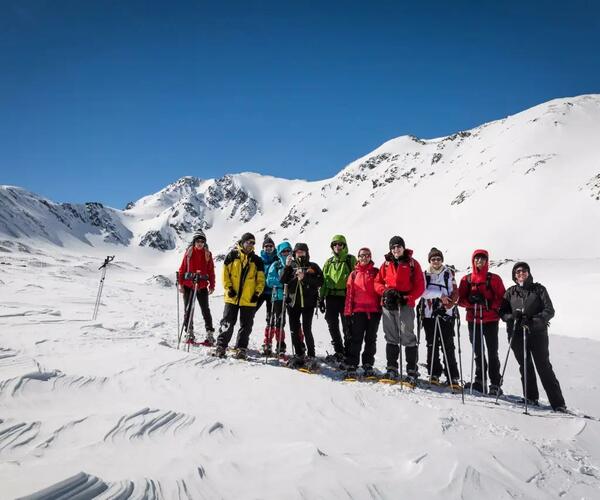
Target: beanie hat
column 434, row 252
column 247, row 237
column 397, row 240
column 301, row 246
column 268, row 240
column 199, row 235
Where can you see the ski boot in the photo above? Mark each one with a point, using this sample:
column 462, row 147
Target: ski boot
column 476, row 386
column 240, row 353
column 391, row 376
column 219, row 352
column 495, row 390
column 350, row 375
column 209, row 340
column 296, row 362
column 369, row 373
column 267, row 350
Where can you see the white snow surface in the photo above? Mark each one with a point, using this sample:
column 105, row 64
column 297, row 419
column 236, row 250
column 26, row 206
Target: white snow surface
column 111, row 409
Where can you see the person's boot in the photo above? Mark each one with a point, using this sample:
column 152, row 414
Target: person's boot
column 392, row 352
column 220, row 352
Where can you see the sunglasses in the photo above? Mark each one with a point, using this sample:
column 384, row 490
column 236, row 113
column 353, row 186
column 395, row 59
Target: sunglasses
column 521, row 271
column 338, row 244
column 268, row 246
column 283, row 252
column 360, row 255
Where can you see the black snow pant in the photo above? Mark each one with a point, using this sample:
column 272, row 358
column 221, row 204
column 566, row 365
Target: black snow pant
column 334, row 310
column 446, row 328
column 490, row 337
column 301, row 323
column 261, row 300
column 363, row 326
column 537, row 348
column 230, row 313
column 202, row 296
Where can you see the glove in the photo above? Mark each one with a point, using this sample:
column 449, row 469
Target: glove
column 477, row 298
column 517, row 315
column 231, row 293
column 390, row 299
column 254, row 297
column 322, row 305
column 439, row 311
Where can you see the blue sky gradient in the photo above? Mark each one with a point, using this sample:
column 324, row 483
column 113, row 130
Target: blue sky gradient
column 112, row 100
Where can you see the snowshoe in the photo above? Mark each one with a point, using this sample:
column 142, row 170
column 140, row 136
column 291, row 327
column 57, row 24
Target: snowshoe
column 433, row 380
column 455, row 385
column 410, row 381
column 267, row 350
column 296, row 362
column 240, row 353
column 560, row 409
column 369, row 374
column 390, row 377
column 476, row 386
column 530, row 402
column 190, row 339
column 219, row 352
column 495, row 390
column 351, row 375
column 310, row 365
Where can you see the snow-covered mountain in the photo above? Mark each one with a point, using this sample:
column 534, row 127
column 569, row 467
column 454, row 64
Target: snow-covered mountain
column 525, row 185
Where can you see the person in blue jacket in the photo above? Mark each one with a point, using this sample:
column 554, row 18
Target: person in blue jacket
column 274, row 282
column 268, row 256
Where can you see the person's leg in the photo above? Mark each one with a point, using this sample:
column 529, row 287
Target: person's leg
column 187, row 297
column 371, row 327
column 204, row 307
column 307, row 317
column 358, row 325
column 474, row 338
column 490, row 333
column 429, row 327
column 541, row 355
column 294, row 314
column 227, row 325
column 333, row 324
column 451, row 370
column 409, row 339
column 246, row 321
column 391, row 331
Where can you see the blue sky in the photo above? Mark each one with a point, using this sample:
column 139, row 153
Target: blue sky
column 112, row 100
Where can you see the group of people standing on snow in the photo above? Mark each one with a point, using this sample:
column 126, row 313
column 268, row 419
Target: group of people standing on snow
column 358, row 296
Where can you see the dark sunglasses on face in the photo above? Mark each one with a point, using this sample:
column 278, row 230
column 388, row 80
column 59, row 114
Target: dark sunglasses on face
column 283, row 252
column 337, row 244
column 521, row 271
column 364, row 255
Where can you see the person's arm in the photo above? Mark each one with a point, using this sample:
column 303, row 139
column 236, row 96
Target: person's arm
column 505, row 311
column 548, row 312
column 324, row 290
column 418, row 287
column 210, row 264
column 380, row 281
column 499, row 291
column 313, row 276
column 260, row 275
column 348, row 305
column 463, row 294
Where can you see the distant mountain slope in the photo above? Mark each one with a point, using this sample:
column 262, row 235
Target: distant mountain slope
column 528, row 184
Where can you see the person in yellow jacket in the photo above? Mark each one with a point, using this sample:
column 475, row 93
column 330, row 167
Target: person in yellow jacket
column 243, row 283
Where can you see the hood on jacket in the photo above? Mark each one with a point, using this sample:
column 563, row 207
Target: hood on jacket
column 280, row 248
column 479, row 276
column 529, row 279
column 344, row 251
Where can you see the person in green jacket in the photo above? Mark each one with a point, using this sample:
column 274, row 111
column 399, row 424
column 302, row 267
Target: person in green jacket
column 332, row 296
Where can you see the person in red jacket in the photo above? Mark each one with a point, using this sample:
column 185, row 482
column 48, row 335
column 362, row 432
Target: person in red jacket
column 197, row 259
column 481, row 294
column 363, row 314
column 400, row 282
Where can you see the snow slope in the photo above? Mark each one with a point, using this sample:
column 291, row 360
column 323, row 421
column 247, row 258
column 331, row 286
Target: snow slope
column 111, row 409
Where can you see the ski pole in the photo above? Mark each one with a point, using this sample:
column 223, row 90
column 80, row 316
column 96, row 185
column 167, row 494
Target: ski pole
column 525, row 331
column 177, row 290
column 510, row 339
column 283, row 311
column 401, row 354
column 457, row 316
column 447, row 365
column 433, row 349
column 473, row 336
column 483, row 371
column 104, row 266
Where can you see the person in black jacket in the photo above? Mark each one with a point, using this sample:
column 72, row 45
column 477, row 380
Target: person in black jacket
column 303, row 279
column 527, row 306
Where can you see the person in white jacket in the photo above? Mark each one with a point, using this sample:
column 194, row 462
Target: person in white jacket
column 436, row 309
